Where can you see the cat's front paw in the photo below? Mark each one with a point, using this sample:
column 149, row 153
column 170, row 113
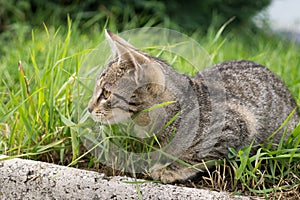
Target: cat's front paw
column 165, row 174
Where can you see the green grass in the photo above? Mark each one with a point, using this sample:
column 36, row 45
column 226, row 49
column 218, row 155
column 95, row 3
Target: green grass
column 39, row 116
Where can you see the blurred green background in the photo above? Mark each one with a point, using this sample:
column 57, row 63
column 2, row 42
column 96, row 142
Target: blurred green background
column 187, row 15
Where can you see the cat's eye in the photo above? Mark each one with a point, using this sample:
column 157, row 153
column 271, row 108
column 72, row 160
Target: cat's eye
column 106, row 93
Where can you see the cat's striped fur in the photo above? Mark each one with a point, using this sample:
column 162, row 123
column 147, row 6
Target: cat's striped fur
column 227, row 105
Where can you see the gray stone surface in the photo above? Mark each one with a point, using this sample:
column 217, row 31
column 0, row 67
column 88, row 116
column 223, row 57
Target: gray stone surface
column 27, row 179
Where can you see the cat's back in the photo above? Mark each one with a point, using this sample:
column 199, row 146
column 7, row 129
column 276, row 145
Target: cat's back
column 247, row 82
column 254, row 91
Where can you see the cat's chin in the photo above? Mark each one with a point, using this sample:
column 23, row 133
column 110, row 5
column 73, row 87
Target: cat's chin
column 112, row 120
column 102, row 120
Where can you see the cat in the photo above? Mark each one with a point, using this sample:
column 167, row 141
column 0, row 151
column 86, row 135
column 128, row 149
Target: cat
column 228, row 105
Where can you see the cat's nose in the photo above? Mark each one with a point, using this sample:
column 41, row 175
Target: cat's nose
column 90, row 109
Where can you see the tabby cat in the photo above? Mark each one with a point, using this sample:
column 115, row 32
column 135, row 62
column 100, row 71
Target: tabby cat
column 230, row 104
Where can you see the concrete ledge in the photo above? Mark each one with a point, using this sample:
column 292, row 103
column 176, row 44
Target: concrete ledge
column 27, row 179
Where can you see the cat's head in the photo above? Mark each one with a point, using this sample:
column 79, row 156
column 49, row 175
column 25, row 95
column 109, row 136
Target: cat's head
column 131, row 82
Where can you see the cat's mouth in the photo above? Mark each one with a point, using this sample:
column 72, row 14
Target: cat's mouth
column 97, row 116
column 111, row 117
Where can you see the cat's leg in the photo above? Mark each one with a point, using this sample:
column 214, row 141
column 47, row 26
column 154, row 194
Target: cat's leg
column 174, row 172
column 238, row 130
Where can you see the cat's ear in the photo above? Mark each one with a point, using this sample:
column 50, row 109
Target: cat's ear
column 147, row 70
column 123, row 50
column 150, row 73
